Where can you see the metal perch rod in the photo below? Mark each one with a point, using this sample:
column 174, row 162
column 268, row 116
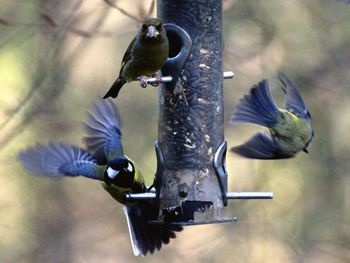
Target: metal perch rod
column 230, row 195
column 166, row 79
column 249, row 195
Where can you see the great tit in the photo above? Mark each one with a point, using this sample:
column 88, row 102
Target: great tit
column 146, row 54
column 289, row 130
column 105, row 161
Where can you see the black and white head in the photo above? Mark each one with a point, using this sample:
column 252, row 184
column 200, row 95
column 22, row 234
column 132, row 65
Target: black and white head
column 120, row 172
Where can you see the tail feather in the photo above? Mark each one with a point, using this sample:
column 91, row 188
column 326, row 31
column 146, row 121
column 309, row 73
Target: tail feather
column 114, row 90
column 145, row 237
column 257, row 108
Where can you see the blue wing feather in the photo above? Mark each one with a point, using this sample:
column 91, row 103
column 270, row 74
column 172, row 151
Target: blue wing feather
column 103, row 131
column 58, row 160
column 260, row 146
column 257, row 108
column 293, row 102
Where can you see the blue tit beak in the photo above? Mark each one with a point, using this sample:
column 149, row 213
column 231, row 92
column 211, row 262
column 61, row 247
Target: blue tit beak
column 152, row 32
column 305, row 150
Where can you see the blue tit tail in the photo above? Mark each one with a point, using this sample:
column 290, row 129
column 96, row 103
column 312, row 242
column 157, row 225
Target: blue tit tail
column 145, row 237
column 257, row 108
column 114, row 90
column 260, row 146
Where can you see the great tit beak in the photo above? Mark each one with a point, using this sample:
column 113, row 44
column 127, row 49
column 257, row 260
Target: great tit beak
column 152, row 32
column 305, row 150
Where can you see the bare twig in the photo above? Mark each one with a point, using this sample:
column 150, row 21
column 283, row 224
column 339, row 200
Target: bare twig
column 53, row 23
column 6, row 22
column 49, row 81
column 123, row 11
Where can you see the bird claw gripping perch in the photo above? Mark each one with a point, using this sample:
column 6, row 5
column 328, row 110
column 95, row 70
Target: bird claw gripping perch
column 143, row 81
column 158, row 80
column 154, row 80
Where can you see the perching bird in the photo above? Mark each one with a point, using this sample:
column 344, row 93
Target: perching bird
column 119, row 175
column 289, row 131
column 146, row 54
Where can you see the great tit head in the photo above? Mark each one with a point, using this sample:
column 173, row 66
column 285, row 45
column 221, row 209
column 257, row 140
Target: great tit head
column 120, row 172
column 152, row 28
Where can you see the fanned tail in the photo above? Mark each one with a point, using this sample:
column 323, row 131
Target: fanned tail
column 257, row 108
column 145, row 237
column 114, row 90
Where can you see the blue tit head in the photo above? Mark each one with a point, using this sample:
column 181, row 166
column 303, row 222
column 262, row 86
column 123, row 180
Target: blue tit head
column 120, row 172
column 152, row 28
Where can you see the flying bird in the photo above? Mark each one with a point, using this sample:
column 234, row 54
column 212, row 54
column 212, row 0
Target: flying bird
column 104, row 160
column 288, row 131
column 146, row 54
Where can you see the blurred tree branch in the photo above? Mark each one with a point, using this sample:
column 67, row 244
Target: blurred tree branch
column 50, row 75
column 139, row 18
column 52, row 71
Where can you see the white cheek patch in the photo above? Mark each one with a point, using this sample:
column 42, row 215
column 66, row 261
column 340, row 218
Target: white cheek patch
column 130, row 169
column 112, row 173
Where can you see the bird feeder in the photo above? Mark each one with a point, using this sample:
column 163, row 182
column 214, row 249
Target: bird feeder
column 191, row 177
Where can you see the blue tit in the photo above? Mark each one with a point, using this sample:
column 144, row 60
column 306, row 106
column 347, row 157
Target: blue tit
column 105, row 161
column 289, row 130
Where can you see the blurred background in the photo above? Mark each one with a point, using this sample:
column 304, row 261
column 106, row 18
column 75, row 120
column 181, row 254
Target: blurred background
column 56, row 57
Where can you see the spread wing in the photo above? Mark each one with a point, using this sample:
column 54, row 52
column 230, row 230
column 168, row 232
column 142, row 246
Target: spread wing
column 103, row 131
column 257, row 107
column 58, row 160
column 260, row 146
column 293, row 102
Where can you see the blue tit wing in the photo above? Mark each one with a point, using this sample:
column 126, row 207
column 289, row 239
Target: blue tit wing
column 260, row 146
column 293, row 102
column 257, row 108
column 146, row 238
column 103, row 131
column 58, row 160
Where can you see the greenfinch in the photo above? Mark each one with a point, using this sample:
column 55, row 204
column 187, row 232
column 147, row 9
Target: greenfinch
column 146, row 54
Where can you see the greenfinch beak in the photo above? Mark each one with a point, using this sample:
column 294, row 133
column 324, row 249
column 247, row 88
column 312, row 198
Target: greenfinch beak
column 152, row 32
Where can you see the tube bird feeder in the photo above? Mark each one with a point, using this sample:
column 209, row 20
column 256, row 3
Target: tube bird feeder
column 191, row 177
